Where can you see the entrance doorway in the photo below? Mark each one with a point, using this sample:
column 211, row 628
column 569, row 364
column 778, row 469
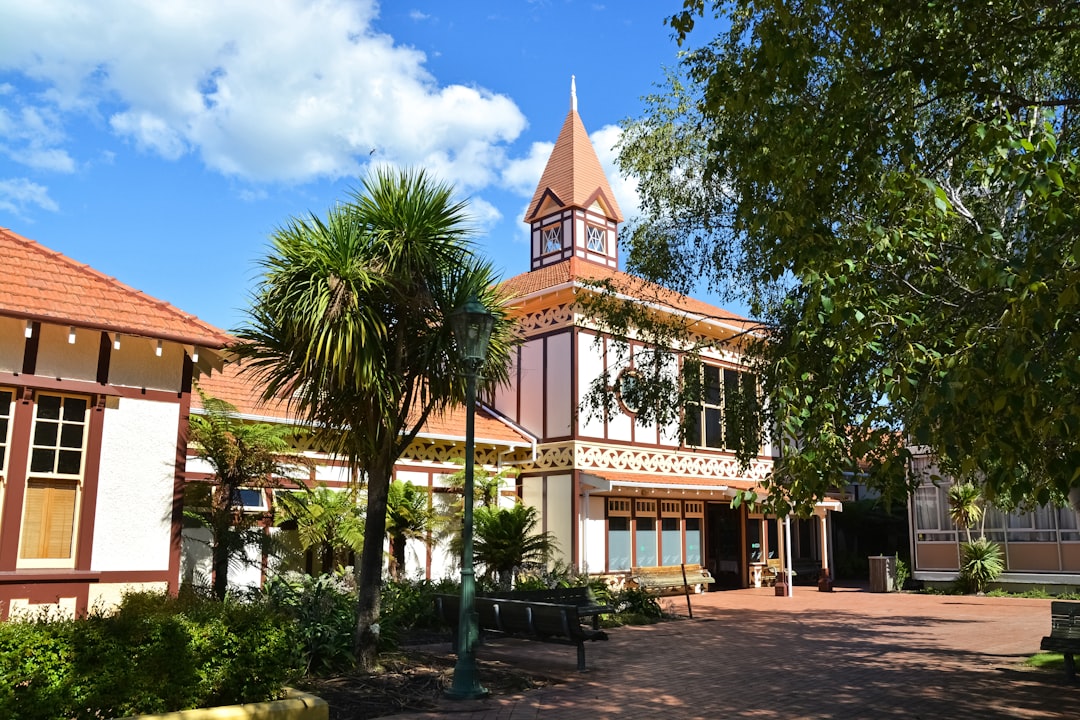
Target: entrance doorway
column 723, row 546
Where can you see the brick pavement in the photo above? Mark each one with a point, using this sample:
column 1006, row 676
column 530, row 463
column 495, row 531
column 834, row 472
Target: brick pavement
column 750, row 654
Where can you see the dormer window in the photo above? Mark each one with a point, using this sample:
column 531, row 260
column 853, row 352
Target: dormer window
column 552, row 235
column 594, row 238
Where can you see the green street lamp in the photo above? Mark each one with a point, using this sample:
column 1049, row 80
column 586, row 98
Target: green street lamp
column 472, row 324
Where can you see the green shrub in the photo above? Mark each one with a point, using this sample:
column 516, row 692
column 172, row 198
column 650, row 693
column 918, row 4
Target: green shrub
column 980, row 564
column 153, row 654
column 409, row 605
column 902, row 573
column 323, row 610
column 634, row 606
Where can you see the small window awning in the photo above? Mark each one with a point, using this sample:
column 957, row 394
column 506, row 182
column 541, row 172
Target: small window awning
column 613, row 482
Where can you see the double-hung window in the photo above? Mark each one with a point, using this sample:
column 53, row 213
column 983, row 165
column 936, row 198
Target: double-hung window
column 728, row 398
column 57, row 465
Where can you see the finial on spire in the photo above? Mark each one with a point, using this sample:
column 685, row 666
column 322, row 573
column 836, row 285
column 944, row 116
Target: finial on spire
column 573, row 94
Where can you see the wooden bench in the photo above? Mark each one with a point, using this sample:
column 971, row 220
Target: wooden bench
column 682, row 578
column 544, row 622
column 1064, row 634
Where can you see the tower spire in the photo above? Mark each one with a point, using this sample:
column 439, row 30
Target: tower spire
column 573, row 94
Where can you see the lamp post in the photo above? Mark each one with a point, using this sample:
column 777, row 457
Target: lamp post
column 472, row 324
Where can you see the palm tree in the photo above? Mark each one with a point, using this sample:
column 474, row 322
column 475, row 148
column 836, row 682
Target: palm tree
column 349, row 322
column 487, row 486
column 331, row 521
column 409, row 516
column 244, row 456
column 507, row 542
column 964, row 506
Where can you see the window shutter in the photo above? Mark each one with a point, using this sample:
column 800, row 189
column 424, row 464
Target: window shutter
column 48, row 519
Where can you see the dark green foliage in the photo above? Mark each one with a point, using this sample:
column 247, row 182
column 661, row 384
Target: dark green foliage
column 894, row 189
column 408, row 605
column 323, row 614
column 980, row 564
column 635, row 606
column 153, row 654
column 508, row 542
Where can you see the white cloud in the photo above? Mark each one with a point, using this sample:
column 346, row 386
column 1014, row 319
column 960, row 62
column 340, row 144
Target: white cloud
column 523, row 175
column 418, row 15
column 287, row 90
column 19, row 194
column 484, row 215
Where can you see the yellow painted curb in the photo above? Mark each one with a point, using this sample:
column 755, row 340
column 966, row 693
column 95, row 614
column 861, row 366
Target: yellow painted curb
column 295, row 706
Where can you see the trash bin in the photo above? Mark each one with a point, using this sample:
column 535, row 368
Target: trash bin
column 824, row 581
column 882, row 573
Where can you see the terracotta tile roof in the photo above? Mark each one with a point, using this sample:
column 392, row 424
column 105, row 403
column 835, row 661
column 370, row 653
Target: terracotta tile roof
column 573, row 172
column 241, row 392
column 577, row 271
column 44, row 285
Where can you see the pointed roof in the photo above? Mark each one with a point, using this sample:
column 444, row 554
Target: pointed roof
column 46, row 286
column 573, row 174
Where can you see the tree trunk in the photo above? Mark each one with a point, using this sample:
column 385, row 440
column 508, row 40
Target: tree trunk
column 220, row 561
column 397, row 554
column 366, row 642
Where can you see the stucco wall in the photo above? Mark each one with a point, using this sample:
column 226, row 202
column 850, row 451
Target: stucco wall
column 594, row 541
column 57, row 358
column 12, row 342
column 136, row 364
column 558, row 385
column 135, row 485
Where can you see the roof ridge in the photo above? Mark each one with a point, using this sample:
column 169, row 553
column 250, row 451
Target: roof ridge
column 85, row 269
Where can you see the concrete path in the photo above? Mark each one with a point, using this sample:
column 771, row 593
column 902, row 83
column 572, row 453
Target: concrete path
column 845, row 654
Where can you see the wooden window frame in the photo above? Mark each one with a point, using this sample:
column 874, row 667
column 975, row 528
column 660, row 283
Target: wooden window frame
column 44, row 481
column 7, row 415
column 602, row 232
column 545, row 230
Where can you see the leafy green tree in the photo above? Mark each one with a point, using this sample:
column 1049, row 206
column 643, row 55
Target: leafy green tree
column 349, row 323
column 894, row 189
column 329, row 521
column 409, row 516
column 244, row 456
column 508, row 542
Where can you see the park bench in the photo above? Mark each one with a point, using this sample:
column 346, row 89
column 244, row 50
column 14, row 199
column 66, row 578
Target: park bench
column 662, row 578
column 581, row 597
column 541, row 621
column 1064, row 634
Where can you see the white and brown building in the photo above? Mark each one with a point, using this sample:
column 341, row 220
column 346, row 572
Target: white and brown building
column 95, row 386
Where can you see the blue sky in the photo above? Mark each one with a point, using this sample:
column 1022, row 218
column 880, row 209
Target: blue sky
column 162, row 142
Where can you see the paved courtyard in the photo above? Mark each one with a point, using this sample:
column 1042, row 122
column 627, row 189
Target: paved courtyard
column 845, row 654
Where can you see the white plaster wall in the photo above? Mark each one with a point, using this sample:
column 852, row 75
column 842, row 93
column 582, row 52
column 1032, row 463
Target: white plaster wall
column 135, row 486
column 593, row 539
column 196, row 567
column 506, row 395
column 12, row 344
column 63, row 607
column 532, row 494
column 58, row 358
column 590, row 363
column 136, row 364
column 332, row 474
column 108, row 595
column 560, row 516
column 532, row 386
column 558, row 385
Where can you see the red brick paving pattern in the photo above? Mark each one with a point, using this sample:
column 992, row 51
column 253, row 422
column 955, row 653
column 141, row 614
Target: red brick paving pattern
column 845, row 654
